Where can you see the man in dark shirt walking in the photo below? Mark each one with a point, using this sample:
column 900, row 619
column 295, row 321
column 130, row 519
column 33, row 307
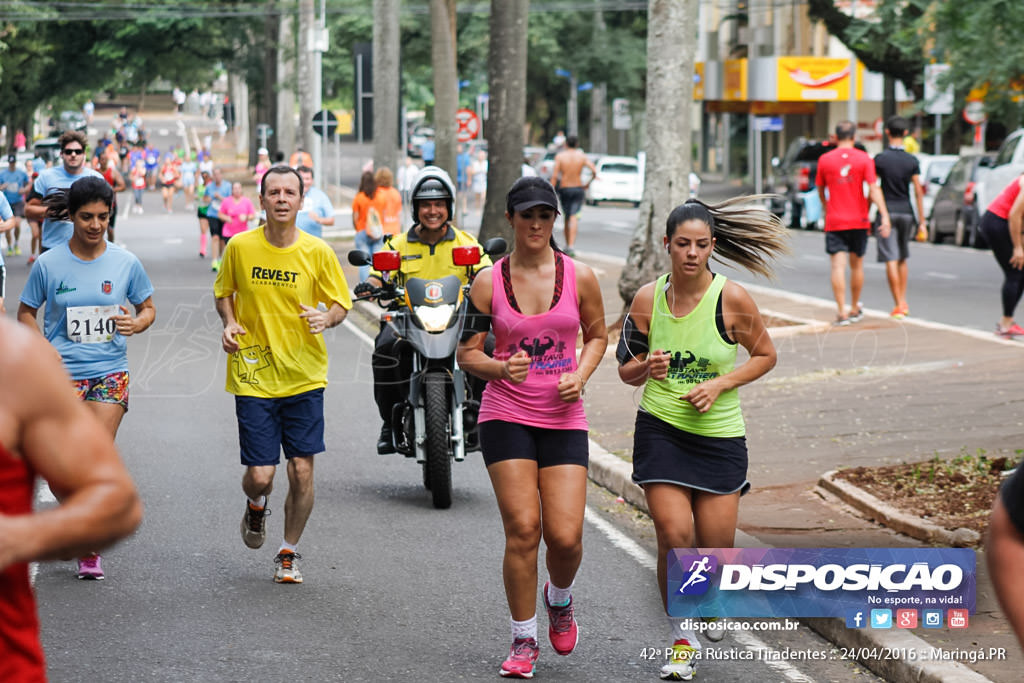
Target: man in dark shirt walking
column 897, row 172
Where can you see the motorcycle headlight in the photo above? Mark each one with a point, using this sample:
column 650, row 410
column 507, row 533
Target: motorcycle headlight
column 435, row 318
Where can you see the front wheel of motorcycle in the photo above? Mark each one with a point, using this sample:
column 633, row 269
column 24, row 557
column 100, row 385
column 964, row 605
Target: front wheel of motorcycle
column 438, row 473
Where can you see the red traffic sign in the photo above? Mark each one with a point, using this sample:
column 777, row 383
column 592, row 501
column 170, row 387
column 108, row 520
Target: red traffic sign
column 468, row 125
column 974, row 112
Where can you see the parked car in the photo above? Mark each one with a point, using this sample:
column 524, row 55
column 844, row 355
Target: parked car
column 68, row 120
column 1007, row 164
column 618, row 179
column 793, row 178
column 546, row 166
column 934, row 170
column 956, row 213
column 417, row 137
column 47, row 149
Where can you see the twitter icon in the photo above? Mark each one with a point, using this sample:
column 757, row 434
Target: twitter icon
column 881, row 618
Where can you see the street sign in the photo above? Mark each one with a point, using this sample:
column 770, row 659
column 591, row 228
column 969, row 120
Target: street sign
column 468, row 125
column 621, row 119
column 768, row 123
column 325, row 123
column 937, row 101
column 974, row 112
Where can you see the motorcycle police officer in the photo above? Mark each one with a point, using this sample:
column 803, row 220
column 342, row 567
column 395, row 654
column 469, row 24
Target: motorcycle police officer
column 426, row 250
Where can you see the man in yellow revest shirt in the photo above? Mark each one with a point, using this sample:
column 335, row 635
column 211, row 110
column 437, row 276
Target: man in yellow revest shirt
column 270, row 283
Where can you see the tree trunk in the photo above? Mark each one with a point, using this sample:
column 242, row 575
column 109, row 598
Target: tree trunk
column 267, row 108
column 386, row 80
column 446, row 82
column 306, row 85
column 284, row 123
column 669, row 103
column 239, row 89
column 506, row 75
column 598, row 96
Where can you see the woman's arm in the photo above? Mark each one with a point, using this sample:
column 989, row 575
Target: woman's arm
column 744, row 324
column 1016, row 225
column 636, row 363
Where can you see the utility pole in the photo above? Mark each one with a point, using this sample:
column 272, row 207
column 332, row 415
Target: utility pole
column 598, row 96
column 285, row 123
column 306, row 97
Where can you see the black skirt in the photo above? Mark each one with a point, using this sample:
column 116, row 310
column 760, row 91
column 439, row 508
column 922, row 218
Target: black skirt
column 665, row 454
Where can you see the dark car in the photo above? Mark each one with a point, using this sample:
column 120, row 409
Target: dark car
column 793, row 176
column 955, row 210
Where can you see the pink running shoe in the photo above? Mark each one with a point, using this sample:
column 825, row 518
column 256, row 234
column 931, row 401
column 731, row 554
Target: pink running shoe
column 562, row 629
column 89, row 568
column 521, row 659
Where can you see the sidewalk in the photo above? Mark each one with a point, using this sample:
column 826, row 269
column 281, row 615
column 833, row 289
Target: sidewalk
column 870, row 394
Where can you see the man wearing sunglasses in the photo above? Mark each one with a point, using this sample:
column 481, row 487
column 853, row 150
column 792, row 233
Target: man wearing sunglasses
column 72, row 168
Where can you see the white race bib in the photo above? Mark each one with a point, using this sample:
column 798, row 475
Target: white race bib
column 92, row 324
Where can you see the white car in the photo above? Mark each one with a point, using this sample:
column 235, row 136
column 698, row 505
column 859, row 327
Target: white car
column 934, row 169
column 618, row 179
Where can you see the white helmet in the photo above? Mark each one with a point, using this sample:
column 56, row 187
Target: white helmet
column 433, row 183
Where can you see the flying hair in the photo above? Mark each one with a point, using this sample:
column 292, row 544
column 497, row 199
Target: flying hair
column 746, row 233
column 62, row 204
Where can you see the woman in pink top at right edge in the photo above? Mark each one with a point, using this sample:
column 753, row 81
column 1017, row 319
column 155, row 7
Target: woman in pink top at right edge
column 533, row 431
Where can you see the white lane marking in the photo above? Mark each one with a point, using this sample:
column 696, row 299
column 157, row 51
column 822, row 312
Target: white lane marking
column 648, row 561
column 621, row 540
column 351, row 327
column 942, row 276
column 43, row 496
column 173, row 240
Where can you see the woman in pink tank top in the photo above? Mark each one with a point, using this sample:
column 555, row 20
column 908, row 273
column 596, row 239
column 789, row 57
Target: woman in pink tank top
column 533, row 431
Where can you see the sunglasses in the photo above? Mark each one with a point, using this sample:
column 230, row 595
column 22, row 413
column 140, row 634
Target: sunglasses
column 72, row 152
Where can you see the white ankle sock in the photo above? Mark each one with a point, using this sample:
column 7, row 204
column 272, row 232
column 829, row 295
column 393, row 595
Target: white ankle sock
column 524, row 629
column 559, row 597
column 260, row 502
column 285, row 545
column 678, row 632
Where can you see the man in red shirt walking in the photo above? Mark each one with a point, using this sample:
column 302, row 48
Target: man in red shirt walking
column 843, row 173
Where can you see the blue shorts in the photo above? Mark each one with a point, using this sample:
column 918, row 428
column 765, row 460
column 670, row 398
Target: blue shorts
column 500, row 440
column 265, row 425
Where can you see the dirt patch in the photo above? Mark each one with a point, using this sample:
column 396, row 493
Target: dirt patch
column 953, row 493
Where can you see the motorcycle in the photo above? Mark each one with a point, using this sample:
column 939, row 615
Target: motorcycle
column 437, row 422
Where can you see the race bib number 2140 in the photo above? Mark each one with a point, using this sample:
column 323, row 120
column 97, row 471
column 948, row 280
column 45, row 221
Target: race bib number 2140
column 92, row 324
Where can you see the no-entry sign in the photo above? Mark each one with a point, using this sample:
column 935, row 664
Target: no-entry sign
column 468, row 125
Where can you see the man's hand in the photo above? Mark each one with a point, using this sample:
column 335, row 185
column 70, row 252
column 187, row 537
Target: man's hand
column 227, row 339
column 363, row 290
column 317, row 320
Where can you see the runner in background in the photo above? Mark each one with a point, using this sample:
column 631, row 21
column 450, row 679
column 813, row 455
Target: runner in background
column 84, row 284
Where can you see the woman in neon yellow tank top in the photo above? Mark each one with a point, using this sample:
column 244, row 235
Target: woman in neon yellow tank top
column 679, row 342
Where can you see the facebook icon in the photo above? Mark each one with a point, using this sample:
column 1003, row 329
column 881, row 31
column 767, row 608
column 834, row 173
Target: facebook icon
column 855, row 618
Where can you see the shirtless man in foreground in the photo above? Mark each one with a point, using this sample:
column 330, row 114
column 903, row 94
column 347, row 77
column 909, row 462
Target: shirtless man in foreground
column 45, row 430
column 567, row 178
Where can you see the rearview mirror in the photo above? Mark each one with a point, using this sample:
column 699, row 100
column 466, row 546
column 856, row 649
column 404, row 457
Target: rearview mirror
column 495, row 246
column 358, row 257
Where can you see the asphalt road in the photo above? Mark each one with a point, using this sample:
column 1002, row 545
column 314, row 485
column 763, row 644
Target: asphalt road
column 394, row 588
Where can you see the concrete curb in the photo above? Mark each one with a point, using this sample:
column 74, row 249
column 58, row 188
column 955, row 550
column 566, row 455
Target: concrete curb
column 887, row 515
